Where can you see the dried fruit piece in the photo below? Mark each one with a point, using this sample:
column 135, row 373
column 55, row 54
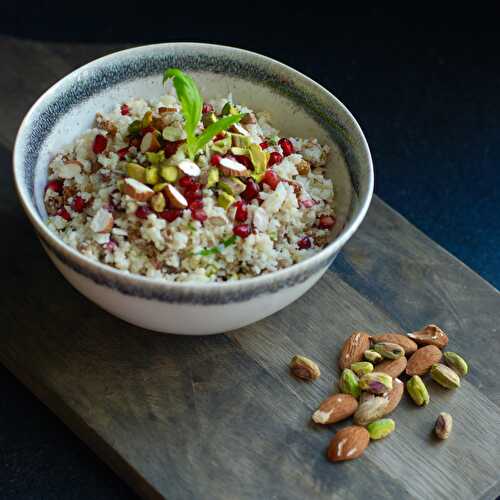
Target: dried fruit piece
column 417, row 391
column 362, row 368
column 372, row 356
column 335, row 408
column 394, row 397
column 456, row 363
column 349, row 383
column 353, row 349
column 430, row 335
column 370, row 409
column 348, row 443
column 422, row 359
column 389, row 350
column 396, row 338
column 381, row 428
column 304, row 368
column 393, row 367
column 445, row 376
column 444, row 424
column 376, row 383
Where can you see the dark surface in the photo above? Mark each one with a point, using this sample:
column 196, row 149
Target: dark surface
column 426, row 97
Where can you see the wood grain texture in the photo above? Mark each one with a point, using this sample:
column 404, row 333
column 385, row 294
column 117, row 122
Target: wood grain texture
column 220, row 417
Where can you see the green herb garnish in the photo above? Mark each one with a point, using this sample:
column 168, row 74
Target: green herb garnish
column 192, row 103
column 218, row 248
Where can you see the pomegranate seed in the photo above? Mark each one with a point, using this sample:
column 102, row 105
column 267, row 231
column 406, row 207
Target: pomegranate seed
column 171, row 148
column 219, row 136
column 215, row 160
column 326, row 222
column 251, row 191
column 241, row 230
column 274, row 158
column 78, row 204
column 207, row 108
column 307, row 203
column 56, row 186
column 100, row 143
column 199, row 215
column 193, row 186
column 264, row 145
column 241, row 211
column 272, row 179
column 193, row 195
column 124, row 109
column 304, row 243
column 195, row 205
column 143, row 212
column 244, row 160
column 171, row 214
column 186, row 181
column 286, row 146
column 122, row 153
column 62, row 212
column 147, row 129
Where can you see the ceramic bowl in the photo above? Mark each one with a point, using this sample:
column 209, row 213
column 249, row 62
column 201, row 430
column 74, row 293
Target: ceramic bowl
column 300, row 107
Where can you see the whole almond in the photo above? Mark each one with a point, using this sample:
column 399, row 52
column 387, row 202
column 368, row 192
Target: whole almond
column 335, row 408
column 422, row 359
column 394, row 396
column 349, row 443
column 353, row 349
column 430, row 335
column 393, row 367
column 396, row 338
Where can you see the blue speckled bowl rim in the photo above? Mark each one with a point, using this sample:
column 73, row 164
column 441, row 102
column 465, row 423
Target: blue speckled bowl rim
column 61, row 96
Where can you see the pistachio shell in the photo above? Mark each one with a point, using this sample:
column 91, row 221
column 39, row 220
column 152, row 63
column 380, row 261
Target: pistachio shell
column 304, row 368
column 443, row 426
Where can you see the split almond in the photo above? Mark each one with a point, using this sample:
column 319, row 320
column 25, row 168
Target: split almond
column 137, row 190
column 232, row 168
column 238, row 129
column 176, row 199
column 335, row 408
column 149, row 143
column 393, row 367
column 190, row 168
column 349, row 443
column 353, row 349
column 396, row 338
column 422, row 360
column 102, row 222
column 430, row 335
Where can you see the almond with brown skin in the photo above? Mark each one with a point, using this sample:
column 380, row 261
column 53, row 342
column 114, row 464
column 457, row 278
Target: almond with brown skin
column 177, row 200
column 396, row 338
column 422, row 359
column 137, row 190
column 393, row 367
column 430, row 335
column 349, row 443
column 335, row 408
column 232, row 168
column 353, row 349
column 394, row 396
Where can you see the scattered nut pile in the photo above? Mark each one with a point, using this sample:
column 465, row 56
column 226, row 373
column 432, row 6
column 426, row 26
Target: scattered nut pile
column 370, row 388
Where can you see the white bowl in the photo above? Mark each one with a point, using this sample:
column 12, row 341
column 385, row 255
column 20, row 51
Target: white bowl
column 300, row 107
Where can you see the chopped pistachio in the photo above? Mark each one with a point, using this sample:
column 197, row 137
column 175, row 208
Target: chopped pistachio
column 147, row 119
column 152, row 176
column 239, row 151
column 258, row 157
column 213, row 177
column 135, row 171
column 229, row 109
column 241, row 141
column 158, row 202
column 225, row 200
column 208, row 119
column 232, row 185
column 119, row 184
column 222, row 146
column 155, row 158
column 159, row 187
column 170, row 173
column 135, row 127
column 172, row 134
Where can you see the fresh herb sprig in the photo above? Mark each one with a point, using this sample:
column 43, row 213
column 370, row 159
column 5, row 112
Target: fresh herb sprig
column 192, row 104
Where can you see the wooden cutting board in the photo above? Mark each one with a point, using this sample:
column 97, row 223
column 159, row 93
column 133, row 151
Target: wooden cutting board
column 220, row 417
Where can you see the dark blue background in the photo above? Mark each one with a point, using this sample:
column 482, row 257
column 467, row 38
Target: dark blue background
column 425, row 87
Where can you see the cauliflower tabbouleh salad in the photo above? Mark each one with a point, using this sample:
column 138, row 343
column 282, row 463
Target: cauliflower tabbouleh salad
column 186, row 190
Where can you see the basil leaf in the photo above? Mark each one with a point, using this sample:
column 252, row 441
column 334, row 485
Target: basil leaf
column 215, row 128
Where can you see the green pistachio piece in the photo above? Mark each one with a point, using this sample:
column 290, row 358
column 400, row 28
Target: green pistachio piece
column 172, row 134
column 135, row 127
column 376, row 383
column 158, row 202
column 232, row 185
column 389, row 350
column 151, row 176
column 349, row 383
column 417, row 391
column 443, row 426
column 208, row 119
column 445, row 376
column 170, row 173
column 456, row 362
column 229, row 109
column 362, row 368
column 159, row 187
column 372, row 356
column 212, row 177
column 155, row 158
column 239, row 151
column 147, row 119
column 380, row 428
column 137, row 172
column 222, row 146
column 241, row 141
column 258, row 157
column 225, row 200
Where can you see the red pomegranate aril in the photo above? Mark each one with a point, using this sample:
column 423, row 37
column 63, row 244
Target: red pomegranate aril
column 286, row 146
column 142, row 212
column 271, row 178
column 219, row 136
column 241, row 230
column 195, row 205
column 147, row 129
column 56, row 186
column 215, row 160
column 264, row 145
column 241, row 211
column 124, row 110
column 326, row 222
column 62, row 212
column 78, row 204
column 307, row 203
column 193, row 186
column 274, row 158
column 100, row 143
column 304, row 243
column 244, row 160
column 199, row 215
column 171, row 214
column 122, row 153
column 207, row 108
column 193, row 195
column 251, row 191
column 186, row 181
column 171, row 148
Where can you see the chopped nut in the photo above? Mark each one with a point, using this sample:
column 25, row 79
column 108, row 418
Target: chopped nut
column 304, row 368
column 158, row 202
column 102, row 222
column 137, row 190
column 176, row 199
column 303, row 167
column 149, row 143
